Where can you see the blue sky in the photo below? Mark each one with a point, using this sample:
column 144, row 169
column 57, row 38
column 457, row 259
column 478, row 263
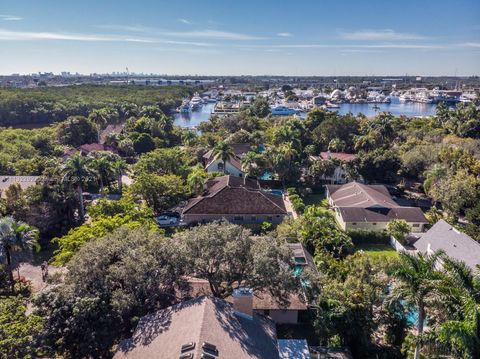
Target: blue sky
column 377, row 37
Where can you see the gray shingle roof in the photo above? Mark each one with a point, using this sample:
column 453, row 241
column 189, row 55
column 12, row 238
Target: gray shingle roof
column 203, row 319
column 455, row 243
column 358, row 202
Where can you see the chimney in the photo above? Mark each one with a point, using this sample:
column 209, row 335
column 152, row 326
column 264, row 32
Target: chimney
column 243, row 302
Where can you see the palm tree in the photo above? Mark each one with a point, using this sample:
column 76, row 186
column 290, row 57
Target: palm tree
column 99, row 118
column 15, row 235
column 418, row 281
column 196, row 179
column 76, row 173
column 461, row 332
column 224, row 152
column 189, row 137
column 103, row 168
column 250, row 164
column 118, row 167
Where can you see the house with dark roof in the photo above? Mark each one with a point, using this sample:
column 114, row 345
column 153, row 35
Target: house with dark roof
column 457, row 245
column 232, row 166
column 370, row 207
column 204, row 327
column 23, row 181
column 238, row 200
column 339, row 175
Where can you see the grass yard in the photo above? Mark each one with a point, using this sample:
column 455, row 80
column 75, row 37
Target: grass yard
column 314, row 199
column 377, row 250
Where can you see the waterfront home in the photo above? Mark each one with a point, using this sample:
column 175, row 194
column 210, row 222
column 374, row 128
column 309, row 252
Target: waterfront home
column 23, row 181
column 233, row 166
column 238, row 200
column 443, row 236
column 339, row 175
column 204, row 327
column 359, row 206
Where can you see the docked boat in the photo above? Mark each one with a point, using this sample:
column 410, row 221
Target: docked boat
column 196, row 102
column 283, row 111
column 332, row 105
column 185, row 107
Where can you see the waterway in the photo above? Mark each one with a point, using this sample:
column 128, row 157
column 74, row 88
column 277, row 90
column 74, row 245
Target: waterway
column 194, row 118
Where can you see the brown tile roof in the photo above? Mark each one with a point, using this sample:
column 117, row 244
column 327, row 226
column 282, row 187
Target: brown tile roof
column 238, row 148
column 262, row 300
column 200, row 320
column 231, row 195
column 342, row 156
column 362, row 203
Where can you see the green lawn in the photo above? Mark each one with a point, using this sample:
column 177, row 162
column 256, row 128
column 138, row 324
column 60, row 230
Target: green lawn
column 377, row 250
column 313, row 199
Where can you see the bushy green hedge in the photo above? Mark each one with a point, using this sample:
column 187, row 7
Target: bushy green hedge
column 296, row 200
column 362, row 236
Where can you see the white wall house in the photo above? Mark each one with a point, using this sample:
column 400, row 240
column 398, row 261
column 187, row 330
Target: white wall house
column 230, row 168
column 358, row 206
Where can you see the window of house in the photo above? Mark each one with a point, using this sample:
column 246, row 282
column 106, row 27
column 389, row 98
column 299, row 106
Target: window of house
column 238, row 218
column 269, row 218
column 253, row 218
column 220, row 166
column 374, row 224
column 354, row 223
column 415, row 225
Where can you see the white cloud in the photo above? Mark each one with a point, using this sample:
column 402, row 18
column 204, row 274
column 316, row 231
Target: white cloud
column 9, row 35
column 383, row 34
column 373, row 46
column 198, row 34
column 185, row 21
column 10, row 18
column 214, row 34
column 470, row 44
column 285, row 34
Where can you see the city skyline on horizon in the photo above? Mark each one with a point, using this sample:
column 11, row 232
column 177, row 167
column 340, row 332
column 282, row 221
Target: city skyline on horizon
column 308, row 38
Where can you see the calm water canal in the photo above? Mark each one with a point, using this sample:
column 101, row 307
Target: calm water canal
column 396, row 108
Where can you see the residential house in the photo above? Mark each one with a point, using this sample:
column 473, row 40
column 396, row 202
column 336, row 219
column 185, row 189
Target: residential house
column 238, row 200
column 263, row 303
column 360, row 206
column 24, row 182
column 232, row 166
column 339, row 175
column 204, row 327
column 111, row 129
column 443, row 236
column 86, row 148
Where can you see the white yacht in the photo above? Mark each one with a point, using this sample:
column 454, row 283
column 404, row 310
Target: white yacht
column 283, row 111
column 196, row 102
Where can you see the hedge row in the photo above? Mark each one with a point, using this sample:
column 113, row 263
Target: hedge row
column 362, row 236
column 296, row 200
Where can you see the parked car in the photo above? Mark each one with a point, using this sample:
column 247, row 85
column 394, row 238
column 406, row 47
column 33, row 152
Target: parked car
column 166, row 220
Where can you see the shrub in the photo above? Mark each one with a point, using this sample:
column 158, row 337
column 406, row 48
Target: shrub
column 362, row 236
